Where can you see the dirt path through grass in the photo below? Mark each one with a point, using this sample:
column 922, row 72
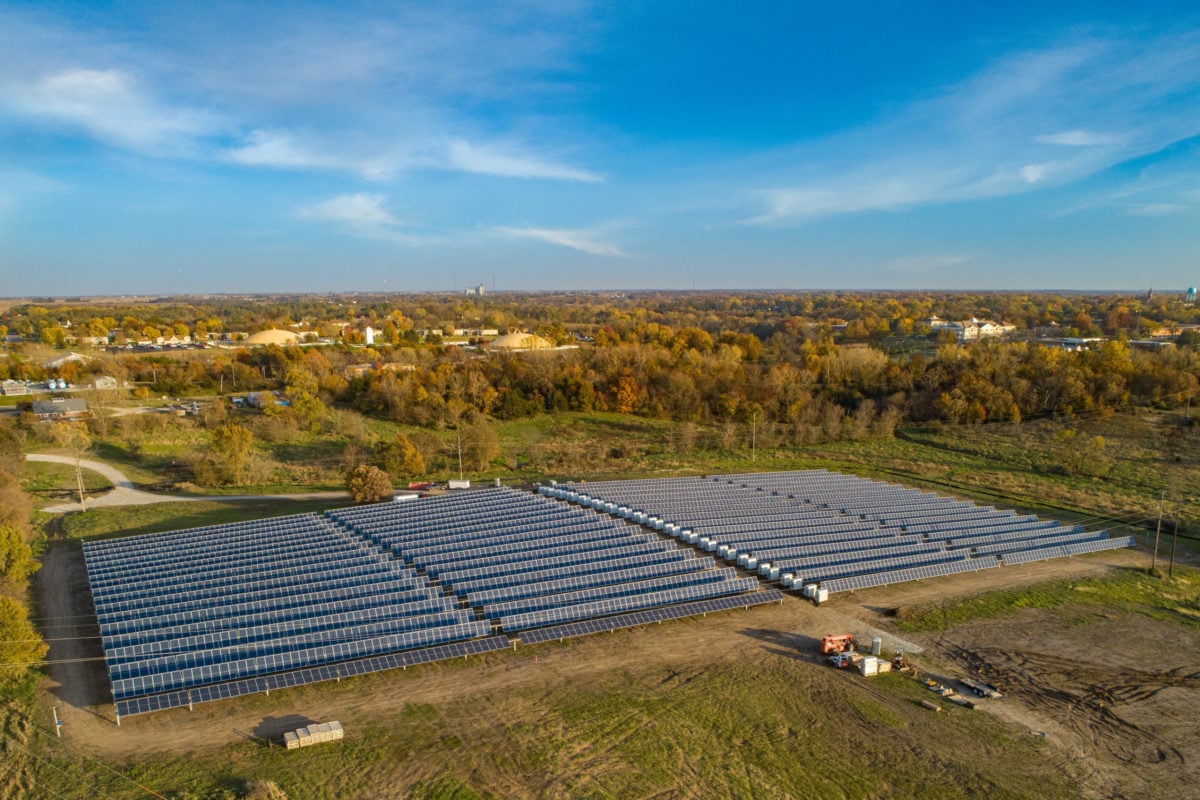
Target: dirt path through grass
column 125, row 493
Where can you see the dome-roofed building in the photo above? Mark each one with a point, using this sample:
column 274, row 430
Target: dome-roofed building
column 274, row 336
column 517, row 341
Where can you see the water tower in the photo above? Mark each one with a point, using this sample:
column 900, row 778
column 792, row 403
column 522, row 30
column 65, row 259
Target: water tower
column 1191, row 295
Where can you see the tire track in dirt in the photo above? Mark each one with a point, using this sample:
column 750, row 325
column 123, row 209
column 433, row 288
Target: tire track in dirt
column 1086, row 697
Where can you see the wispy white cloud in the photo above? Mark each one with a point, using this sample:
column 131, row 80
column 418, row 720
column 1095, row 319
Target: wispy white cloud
column 1103, row 102
column 374, row 94
column 1158, row 189
column 583, row 240
column 285, row 150
column 361, row 215
column 1079, row 138
column 281, row 149
column 930, row 263
column 491, row 160
column 1155, row 209
column 112, row 107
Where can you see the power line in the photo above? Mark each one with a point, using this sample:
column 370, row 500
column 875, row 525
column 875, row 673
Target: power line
column 77, row 779
column 55, row 740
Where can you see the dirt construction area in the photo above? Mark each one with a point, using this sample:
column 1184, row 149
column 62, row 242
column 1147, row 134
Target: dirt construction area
column 1116, row 693
column 1111, row 694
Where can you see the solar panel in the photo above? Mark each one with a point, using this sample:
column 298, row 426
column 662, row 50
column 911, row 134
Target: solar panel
column 560, row 632
column 1039, row 554
column 227, row 667
column 181, row 699
column 623, row 589
column 853, row 582
column 537, row 619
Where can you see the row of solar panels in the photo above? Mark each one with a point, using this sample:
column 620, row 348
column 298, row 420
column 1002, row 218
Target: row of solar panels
column 571, row 630
column 768, row 523
column 219, row 670
column 150, row 545
column 285, row 680
column 310, row 600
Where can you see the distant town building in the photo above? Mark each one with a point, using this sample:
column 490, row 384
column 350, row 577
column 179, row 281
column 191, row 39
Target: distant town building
column 274, row 336
column 60, row 408
column 264, row 399
column 969, row 330
column 519, row 342
column 359, row 370
column 369, row 336
column 9, row 388
column 1072, row 343
column 69, row 358
column 1150, row 344
column 476, row 291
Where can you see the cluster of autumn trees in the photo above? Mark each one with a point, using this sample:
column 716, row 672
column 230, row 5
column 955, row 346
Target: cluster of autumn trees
column 812, row 384
column 20, row 645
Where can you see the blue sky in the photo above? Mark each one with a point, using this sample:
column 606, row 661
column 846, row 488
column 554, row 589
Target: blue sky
column 225, row 147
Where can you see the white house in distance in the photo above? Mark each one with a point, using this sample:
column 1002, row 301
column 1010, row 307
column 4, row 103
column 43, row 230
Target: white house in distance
column 969, row 330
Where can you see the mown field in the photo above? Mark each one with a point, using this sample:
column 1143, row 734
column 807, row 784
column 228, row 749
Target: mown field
column 753, row 715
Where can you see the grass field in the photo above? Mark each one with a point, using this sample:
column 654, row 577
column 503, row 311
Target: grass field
column 102, row 523
column 1144, row 458
column 1174, row 599
column 47, row 480
column 776, row 726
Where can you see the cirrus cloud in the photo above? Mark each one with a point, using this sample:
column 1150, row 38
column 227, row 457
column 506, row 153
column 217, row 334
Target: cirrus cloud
column 111, row 106
column 1104, row 99
column 362, row 215
column 583, row 240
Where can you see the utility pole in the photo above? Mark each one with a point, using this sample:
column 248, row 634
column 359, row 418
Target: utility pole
column 79, row 481
column 1157, row 531
column 754, row 436
column 458, row 434
column 1174, row 539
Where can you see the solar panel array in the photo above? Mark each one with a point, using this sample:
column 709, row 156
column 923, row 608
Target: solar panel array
column 237, row 604
column 214, row 612
column 816, row 528
column 527, row 561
